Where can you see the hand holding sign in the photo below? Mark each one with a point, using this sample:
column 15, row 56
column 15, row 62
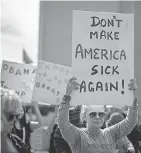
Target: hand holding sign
column 133, row 86
column 71, row 86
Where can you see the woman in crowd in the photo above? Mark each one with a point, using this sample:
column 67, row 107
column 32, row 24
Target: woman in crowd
column 23, row 127
column 6, row 145
column 93, row 139
column 124, row 145
column 10, row 108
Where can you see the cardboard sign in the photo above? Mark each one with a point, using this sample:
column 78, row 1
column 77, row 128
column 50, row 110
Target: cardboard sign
column 103, row 57
column 50, row 82
column 20, row 78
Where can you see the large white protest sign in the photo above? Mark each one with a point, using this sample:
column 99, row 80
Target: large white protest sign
column 20, row 78
column 50, row 82
column 103, row 57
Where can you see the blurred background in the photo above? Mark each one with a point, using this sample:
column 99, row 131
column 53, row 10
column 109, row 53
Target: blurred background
column 19, row 30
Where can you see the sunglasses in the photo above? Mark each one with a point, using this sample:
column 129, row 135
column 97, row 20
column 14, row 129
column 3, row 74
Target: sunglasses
column 94, row 114
column 10, row 117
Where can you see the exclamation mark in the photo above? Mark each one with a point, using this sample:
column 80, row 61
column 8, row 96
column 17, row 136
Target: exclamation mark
column 122, row 92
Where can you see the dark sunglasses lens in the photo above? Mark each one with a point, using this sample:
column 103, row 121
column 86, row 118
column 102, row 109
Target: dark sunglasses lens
column 101, row 114
column 93, row 114
column 10, row 117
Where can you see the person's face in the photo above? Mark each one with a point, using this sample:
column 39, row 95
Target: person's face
column 95, row 116
column 9, row 122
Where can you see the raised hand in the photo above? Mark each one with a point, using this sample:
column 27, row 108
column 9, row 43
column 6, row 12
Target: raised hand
column 71, row 86
column 133, row 87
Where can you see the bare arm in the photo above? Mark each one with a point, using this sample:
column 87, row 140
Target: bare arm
column 40, row 123
column 53, row 121
column 123, row 128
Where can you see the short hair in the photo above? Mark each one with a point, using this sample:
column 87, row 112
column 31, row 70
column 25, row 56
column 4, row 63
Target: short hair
column 114, row 119
column 10, row 101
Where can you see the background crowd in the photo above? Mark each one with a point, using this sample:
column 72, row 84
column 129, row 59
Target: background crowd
column 33, row 128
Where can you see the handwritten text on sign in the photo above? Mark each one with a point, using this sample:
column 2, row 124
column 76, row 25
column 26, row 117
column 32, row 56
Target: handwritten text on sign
column 103, row 56
column 18, row 77
column 50, row 82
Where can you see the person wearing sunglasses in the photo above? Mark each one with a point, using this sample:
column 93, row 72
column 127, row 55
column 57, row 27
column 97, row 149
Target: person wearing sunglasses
column 10, row 103
column 23, row 127
column 10, row 106
column 93, row 139
column 6, row 145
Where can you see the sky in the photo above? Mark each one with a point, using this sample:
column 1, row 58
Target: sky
column 19, row 23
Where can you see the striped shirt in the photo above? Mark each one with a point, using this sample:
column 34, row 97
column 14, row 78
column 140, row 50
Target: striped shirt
column 81, row 141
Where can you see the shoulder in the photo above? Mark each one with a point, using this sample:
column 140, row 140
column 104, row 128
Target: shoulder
column 106, row 130
column 83, row 131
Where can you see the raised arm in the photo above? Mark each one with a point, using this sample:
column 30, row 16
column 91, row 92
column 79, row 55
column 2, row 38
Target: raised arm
column 40, row 123
column 123, row 128
column 69, row 132
column 53, row 121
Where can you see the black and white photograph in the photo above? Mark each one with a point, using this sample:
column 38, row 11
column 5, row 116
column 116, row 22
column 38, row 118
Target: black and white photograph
column 70, row 75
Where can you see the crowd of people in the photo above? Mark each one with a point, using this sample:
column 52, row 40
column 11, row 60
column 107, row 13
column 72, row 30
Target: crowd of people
column 73, row 129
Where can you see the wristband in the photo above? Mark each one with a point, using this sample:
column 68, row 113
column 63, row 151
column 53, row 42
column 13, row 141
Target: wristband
column 135, row 100
column 67, row 98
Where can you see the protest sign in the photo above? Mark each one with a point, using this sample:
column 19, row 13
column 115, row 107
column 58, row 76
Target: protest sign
column 20, row 78
column 103, row 57
column 50, row 82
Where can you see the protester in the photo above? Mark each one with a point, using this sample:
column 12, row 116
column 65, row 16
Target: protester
column 124, row 145
column 92, row 139
column 10, row 108
column 23, row 127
